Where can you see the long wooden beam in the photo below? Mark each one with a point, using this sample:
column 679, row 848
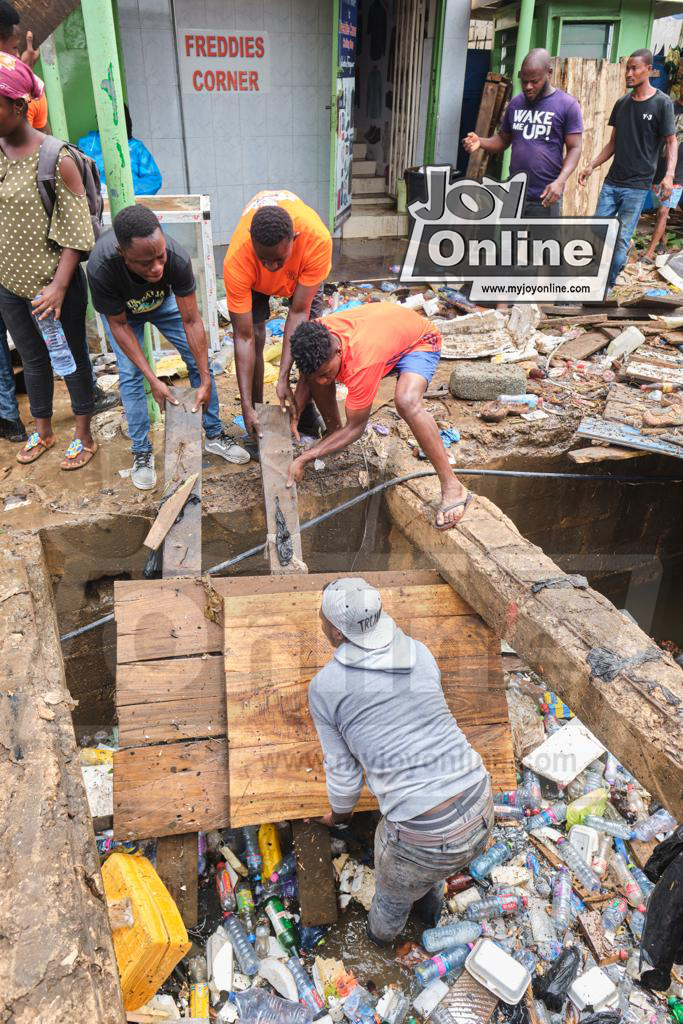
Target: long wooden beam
column 569, row 636
column 58, row 960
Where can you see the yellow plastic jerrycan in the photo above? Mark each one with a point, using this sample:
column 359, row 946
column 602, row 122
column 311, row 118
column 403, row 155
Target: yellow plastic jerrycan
column 269, row 845
column 147, row 951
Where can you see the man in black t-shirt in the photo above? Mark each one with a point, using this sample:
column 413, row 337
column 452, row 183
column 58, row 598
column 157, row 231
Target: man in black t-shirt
column 665, row 206
column 139, row 276
column 641, row 121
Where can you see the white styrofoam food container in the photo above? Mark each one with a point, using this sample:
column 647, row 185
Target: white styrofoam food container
column 497, row 971
column 593, row 989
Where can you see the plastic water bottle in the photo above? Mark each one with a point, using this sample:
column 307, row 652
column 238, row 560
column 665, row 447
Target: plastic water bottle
column 226, row 892
column 610, row 828
column 496, row 906
column 484, row 864
column 260, row 1007
column 593, row 776
column 504, row 812
column 261, row 944
column 246, row 908
column 453, row 934
column 601, row 858
column 577, row 865
column 532, row 789
column 253, row 854
column 635, row 803
column 61, row 357
column 614, row 915
column 611, row 769
column 286, row 868
column 562, row 892
column 553, row 815
column 626, row 880
column 283, row 926
column 442, row 964
column 223, row 358
column 308, row 993
column 358, row 1006
column 244, row 951
column 646, row 886
column 551, row 724
column 527, row 959
column 530, row 400
column 660, row 821
column 576, row 905
column 636, row 922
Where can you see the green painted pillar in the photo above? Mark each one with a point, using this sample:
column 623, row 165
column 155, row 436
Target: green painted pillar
column 100, row 34
column 53, row 89
column 524, row 29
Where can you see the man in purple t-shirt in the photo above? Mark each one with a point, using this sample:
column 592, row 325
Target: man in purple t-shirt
column 544, row 127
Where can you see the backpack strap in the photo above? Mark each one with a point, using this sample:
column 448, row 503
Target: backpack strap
column 47, row 170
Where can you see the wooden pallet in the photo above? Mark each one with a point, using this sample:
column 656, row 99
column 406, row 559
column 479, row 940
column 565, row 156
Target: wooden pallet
column 172, row 775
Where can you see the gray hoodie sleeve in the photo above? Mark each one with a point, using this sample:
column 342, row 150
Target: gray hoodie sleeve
column 343, row 773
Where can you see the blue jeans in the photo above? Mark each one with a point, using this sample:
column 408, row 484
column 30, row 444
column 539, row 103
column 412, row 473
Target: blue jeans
column 9, row 410
column 166, row 319
column 627, row 205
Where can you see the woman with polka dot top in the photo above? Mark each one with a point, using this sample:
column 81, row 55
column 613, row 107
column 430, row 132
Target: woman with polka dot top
column 40, row 271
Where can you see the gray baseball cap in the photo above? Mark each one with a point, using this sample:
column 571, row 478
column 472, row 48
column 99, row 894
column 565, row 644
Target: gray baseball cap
column 355, row 608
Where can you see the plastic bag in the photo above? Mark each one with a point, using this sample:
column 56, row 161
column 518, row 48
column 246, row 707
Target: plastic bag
column 552, row 987
column 606, row 1017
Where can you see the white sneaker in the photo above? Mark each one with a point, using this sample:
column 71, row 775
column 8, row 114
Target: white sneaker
column 226, row 448
column 143, row 474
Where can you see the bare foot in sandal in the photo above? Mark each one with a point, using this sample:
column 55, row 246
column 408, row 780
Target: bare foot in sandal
column 454, row 501
column 79, row 453
column 34, row 448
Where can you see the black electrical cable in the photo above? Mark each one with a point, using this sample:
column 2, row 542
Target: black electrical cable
column 524, row 474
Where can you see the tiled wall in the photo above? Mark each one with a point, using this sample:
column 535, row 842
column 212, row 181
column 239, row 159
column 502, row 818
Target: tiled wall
column 236, row 144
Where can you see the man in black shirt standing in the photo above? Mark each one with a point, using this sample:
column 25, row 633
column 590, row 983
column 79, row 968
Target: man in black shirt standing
column 139, row 276
column 640, row 121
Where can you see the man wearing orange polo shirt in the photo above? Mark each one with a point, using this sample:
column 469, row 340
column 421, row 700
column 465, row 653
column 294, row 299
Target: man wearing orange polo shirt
column 358, row 347
column 280, row 247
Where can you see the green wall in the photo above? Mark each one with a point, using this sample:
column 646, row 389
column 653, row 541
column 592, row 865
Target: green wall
column 74, row 70
column 632, row 28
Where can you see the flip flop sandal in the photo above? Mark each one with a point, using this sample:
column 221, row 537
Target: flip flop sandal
column 449, row 508
column 647, row 260
column 73, row 451
column 34, row 448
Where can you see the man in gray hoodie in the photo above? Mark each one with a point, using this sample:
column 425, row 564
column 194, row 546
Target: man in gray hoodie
column 380, row 711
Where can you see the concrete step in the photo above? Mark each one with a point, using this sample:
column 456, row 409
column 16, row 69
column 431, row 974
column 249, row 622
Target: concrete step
column 375, row 222
column 360, row 150
column 374, row 199
column 359, row 186
column 364, row 168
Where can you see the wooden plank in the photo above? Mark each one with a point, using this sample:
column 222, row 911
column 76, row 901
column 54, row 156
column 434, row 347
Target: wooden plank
column 183, row 458
column 282, row 505
column 628, row 437
column 172, row 788
column 182, row 555
column 179, row 626
column 168, row 514
column 273, row 648
column 604, row 453
column 583, row 347
column 176, row 863
column 317, row 889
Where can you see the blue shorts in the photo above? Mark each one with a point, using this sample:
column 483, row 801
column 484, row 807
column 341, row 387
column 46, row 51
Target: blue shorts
column 424, row 363
column 672, row 202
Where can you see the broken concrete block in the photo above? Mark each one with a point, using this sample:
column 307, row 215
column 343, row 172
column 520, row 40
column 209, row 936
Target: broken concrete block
column 483, row 382
column 472, row 323
column 523, row 321
column 625, row 343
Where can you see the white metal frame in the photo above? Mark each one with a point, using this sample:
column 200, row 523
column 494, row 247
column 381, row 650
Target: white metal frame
column 201, row 216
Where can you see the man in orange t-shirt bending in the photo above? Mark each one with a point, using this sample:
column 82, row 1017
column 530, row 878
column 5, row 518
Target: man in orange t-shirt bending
column 280, row 247
column 359, row 347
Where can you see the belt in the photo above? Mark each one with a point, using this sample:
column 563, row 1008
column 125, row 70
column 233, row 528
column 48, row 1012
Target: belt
column 440, row 840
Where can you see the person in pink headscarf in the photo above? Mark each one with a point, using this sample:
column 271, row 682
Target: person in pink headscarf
column 40, row 271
